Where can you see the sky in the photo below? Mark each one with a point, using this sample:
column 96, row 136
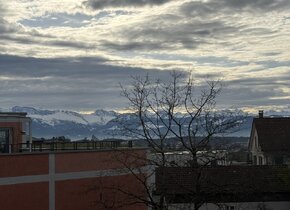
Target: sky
column 73, row 54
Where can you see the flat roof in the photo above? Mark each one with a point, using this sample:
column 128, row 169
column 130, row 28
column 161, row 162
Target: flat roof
column 13, row 114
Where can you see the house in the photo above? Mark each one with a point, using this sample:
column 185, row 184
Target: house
column 225, row 187
column 269, row 142
column 15, row 130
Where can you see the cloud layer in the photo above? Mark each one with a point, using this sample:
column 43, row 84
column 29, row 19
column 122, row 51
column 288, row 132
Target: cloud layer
column 74, row 83
column 81, row 47
column 102, row 4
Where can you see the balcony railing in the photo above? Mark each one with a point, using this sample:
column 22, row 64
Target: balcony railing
column 63, row 146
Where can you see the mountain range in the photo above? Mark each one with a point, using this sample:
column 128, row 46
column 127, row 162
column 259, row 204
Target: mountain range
column 100, row 124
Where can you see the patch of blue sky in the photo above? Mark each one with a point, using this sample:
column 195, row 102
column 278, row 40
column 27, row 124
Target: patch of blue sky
column 63, row 20
column 274, row 64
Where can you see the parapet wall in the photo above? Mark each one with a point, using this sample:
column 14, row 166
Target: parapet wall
column 69, row 180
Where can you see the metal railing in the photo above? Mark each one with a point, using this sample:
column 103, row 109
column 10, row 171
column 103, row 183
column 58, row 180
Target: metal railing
column 63, row 146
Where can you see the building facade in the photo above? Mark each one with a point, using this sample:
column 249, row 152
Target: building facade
column 15, row 131
column 269, row 142
column 72, row 180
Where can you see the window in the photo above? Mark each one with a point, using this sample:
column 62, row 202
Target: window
column 4, row 140
column 254, row 160
column 260, row 160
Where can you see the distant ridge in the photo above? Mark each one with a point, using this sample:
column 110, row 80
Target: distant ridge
column 101, row 123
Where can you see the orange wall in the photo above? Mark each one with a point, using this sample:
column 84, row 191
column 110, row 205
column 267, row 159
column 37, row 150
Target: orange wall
column 98, row 193
column 32, row 196
column 23, row 165
column 74, row 194
column 88, row 161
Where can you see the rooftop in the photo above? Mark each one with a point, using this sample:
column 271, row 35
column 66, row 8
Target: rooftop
column 273, row 133
column 232, row 183
column 13, row 114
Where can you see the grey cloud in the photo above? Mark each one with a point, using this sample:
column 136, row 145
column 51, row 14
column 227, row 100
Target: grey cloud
column 72, row 83
column 17, row 39
column 70, row 44
column 219, row 61
column 133, row 45
column 169, row 36
column 283, row 80
column 50, row 41
column 2, row 8
column 255, row 91
column 248, row 96
column 7, row 28
column 9, row 32
column 90, row 83
column 102, row 4
column 196, row 23
column 213, row 7
column 258, row 31
column 274, row 64
column 16, row 33
column 208, row 76
column 263, row 5
column 197, row 9
column 271, row 53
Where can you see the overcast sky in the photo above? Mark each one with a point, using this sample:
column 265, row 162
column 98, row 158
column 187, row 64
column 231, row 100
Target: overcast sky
column 72, row 54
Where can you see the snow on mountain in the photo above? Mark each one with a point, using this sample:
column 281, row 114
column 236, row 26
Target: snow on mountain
column 51, row 117
column 31, row 110
column 100, row 117
column 101, row 123
column 74, row 125
column 55, row 118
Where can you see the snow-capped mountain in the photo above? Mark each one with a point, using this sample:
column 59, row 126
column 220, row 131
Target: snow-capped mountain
column 99, row 117
column 48, row 123
column 101, row 123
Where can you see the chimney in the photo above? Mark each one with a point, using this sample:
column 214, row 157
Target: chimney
column 261, row 113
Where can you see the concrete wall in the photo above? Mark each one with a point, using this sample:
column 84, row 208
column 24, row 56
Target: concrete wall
column 69, row 180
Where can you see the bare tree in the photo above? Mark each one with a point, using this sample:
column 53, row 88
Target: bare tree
column 175, row 111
